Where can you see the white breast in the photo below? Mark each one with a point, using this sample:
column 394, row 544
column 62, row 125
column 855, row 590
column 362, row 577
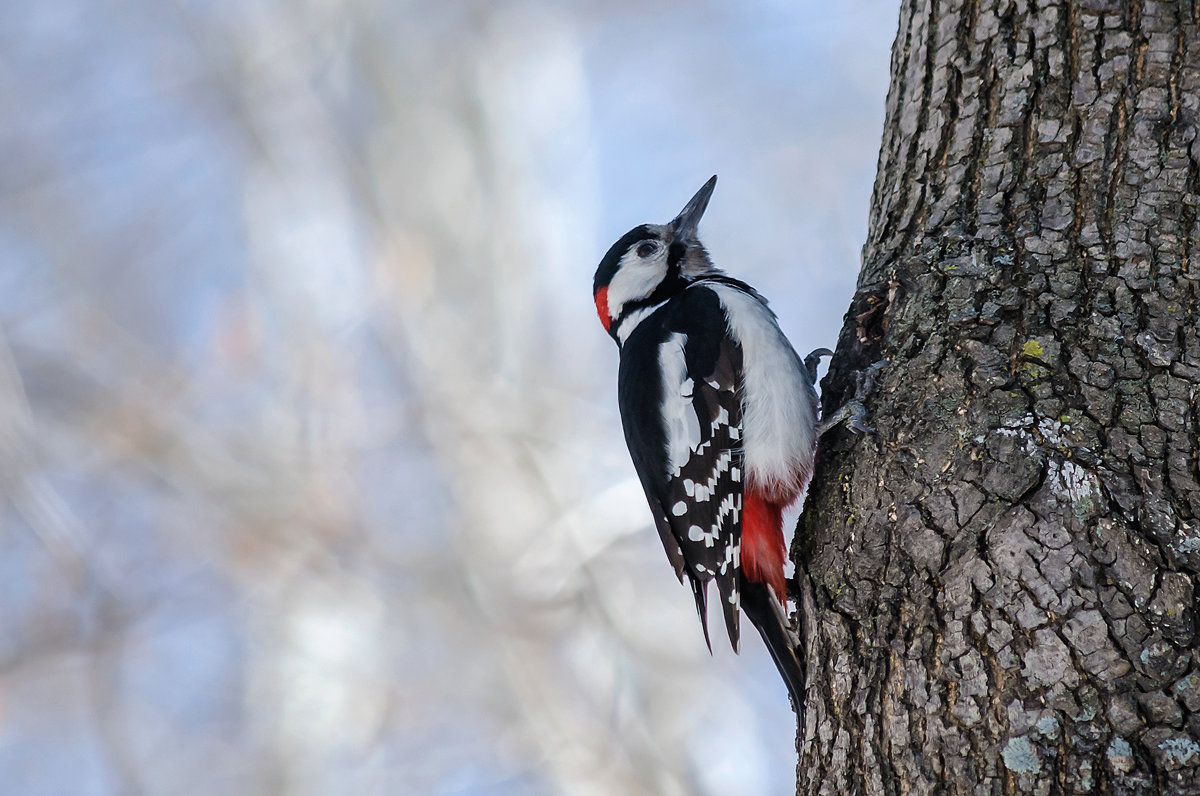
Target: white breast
column 779, row 404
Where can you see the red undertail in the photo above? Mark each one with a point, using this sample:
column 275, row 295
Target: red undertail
column 763, row 551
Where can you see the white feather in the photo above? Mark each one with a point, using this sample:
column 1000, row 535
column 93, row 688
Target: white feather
column 678, row 413
column 779, row 402
column 635, row 279
column 632, row 320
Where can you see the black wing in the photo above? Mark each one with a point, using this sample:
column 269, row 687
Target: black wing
column 688, row 454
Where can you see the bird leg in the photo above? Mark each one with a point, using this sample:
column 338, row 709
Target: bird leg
column 813, row 360
column 852, row 413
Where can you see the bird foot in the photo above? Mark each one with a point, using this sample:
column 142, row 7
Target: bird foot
column 813, row 360
column 853, row 413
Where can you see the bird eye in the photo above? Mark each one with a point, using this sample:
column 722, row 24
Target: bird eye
column 646, row 249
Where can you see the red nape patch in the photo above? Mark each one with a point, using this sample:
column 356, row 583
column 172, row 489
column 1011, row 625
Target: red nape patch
column 762, row 542
column 602, row 307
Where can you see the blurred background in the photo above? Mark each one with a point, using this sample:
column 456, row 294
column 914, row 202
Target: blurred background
column 312, row 475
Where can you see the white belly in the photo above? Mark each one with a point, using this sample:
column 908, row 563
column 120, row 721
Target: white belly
column 779, row 404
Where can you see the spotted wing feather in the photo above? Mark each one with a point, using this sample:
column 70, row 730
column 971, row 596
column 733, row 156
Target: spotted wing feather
column 704, row 487
column 679, row 389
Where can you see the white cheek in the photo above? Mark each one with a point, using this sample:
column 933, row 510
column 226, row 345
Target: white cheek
column 636, row 278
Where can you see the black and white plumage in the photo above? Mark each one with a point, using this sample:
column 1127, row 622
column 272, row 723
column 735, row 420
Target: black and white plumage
column 719, row 416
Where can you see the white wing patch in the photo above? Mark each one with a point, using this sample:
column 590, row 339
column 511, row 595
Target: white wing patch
column 679, row 415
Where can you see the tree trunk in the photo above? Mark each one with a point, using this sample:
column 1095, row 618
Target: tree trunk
column 1002, row 578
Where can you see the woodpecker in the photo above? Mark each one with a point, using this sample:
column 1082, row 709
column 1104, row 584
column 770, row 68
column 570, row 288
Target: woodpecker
column 720, row 417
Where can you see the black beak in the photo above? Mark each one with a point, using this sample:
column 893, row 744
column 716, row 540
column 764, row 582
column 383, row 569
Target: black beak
column 684, row 224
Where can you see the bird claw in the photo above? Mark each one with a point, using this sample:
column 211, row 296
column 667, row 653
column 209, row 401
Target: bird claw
column 856, row 422
column 813, row 361
column 853, row 413
column 864, row 380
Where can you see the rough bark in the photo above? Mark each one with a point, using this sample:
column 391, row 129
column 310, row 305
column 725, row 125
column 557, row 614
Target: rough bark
column 1002, row 579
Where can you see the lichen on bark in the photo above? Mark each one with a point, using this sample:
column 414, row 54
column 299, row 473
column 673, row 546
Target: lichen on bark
column 1001, row 580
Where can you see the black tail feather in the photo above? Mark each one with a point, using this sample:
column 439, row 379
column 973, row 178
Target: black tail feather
column 700, row 592
column 729, row 608
column 766, row 614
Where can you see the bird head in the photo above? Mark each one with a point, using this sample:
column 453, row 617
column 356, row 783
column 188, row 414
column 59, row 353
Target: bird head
column 652, row 262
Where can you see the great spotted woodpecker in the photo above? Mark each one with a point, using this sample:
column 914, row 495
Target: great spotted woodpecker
column 720, row 416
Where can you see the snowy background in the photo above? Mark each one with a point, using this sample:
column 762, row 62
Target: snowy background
column 311, row 476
